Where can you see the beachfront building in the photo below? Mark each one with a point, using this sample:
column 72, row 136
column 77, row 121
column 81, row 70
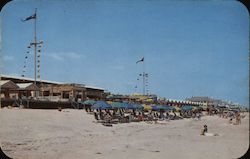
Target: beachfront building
column 49, row 90
column 63, row 92
column 205, row 101
column 134, row 98
column 8, row 89
column 95, row 93
column 209, row 102
column 27, row 90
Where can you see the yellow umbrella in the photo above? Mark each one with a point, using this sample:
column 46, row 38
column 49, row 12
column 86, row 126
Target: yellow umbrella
column 146, row 107
column 177, row 108
column 109, row 102
column 204, row 107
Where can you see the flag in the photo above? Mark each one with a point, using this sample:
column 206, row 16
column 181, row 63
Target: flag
column 30, row 17
column 140, row 60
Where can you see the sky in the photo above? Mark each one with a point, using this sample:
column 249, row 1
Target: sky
column 190, row 48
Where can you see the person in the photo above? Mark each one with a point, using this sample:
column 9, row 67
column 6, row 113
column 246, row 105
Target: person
column 231, row 120
column 238, row 120
column 101, row 115
column 96, row 115
column 204, row 130
column 199, row 116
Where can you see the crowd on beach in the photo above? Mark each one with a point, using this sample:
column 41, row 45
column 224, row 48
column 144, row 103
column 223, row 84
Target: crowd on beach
column 121, row 115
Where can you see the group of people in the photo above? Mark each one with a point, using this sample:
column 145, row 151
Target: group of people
column 131, row 115
column 231, row 115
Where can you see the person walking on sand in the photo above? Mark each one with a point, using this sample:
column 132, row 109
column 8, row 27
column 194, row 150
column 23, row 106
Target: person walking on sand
column 238, row 120
column 204, row 130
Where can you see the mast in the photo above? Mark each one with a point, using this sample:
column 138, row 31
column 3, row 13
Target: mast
column 143, row 78
column 35, row 50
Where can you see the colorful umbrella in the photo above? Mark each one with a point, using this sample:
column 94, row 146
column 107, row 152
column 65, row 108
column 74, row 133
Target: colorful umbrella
column 146, row 107
column 101, row 105
column 89, row 102
column 138, row 106
column 187, row 107
column 118, row 105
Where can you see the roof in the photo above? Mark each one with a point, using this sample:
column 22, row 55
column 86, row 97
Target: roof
column 29, row 79
column 24, row 85
column 2, row 82
column 8, row 84
column 27, row 86
column 91, row 87
column 45, row 81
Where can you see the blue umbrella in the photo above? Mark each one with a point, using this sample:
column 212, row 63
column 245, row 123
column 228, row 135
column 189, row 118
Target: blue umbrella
column 118, row 105
column 186, row 107
column 138, row 106
column 155, row 108
column 161, row 107
column 130, row 106
column 89, row 102
column 101, row 105
column 168, row 108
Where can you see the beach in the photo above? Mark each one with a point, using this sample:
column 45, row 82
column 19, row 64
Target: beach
column 71, row 133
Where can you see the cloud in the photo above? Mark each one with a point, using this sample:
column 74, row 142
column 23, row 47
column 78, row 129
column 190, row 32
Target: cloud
column 61, row 56
column 8, row 58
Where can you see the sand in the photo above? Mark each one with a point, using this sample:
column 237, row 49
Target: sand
column 40, row 134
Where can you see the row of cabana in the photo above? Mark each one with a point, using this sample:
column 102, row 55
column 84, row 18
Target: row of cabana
column 127, row 105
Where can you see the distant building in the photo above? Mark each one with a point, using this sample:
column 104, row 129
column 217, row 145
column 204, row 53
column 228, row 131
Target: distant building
column 50, row 90
column 206, row 101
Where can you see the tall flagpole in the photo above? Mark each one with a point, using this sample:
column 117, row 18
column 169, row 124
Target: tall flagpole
column 35, row 50
column 143, row 77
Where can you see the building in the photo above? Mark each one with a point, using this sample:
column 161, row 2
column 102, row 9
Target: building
column 8, row 89
column 206, row 101
column 49, row 90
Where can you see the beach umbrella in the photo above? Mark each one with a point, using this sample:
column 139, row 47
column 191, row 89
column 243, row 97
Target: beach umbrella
column 186, row 107
column 89, row 102
column 161, row 107
column 130, row 106
column 176, row 108
column 146, row 107
column 109, row 102
column 118, row 105
column 155, row 108
column 168, row 108
column 138, row 106
column 196, row 108
column 101, row 105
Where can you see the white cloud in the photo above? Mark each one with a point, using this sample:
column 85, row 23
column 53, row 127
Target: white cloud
column 55, row 56
column 61, row 56
column 8, row 58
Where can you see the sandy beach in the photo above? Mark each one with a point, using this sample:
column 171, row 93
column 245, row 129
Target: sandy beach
column 39, row 134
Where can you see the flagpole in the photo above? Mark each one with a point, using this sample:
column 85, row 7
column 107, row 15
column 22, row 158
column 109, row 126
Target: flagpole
column 35, row 44
column 35, row 50
column 143, row 77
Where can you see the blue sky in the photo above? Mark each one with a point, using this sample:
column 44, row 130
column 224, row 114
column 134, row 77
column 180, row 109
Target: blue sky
column 191, row 48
